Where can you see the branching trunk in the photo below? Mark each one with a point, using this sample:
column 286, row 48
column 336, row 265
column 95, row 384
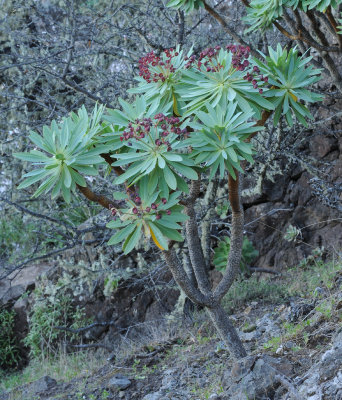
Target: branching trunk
column 236, row 239
column 206, row 221
column 227, row 331
column 201, row 293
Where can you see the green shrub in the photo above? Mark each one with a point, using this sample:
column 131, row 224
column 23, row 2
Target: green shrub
column 9, row 352
column 249, row 253
column 43, row 338
column 245, row 290
column 15, row 233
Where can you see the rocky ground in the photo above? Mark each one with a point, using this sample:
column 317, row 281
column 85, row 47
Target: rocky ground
column 295, row 347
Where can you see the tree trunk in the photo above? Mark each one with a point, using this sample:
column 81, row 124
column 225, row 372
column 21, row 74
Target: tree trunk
column 227, row 331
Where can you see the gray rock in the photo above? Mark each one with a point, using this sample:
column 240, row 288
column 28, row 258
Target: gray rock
column 12, row 294
column 324, row 379
column 251, row 378
column 168, row 382
column 120, row 382
column 42, row 385
column 268, row 327
column 249, row 336
column 299, row 310
column 153, row 396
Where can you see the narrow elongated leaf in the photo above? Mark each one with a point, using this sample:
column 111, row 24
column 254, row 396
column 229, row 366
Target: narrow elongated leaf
column 33, row 156
column 67, row 177
column 77, row 178
column 46, row 186
column 117, row 224
column 33, row 179
column 170, row 233
column 184, row 170
column 122, row 234
column 158, row 237
column 170, row 178
column 132, row 240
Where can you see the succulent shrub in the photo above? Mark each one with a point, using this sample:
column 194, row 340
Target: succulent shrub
column 221, row 252
column 262, row 13
column 224, row 92
column 195, row 117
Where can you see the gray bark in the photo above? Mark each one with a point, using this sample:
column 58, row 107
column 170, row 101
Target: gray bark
column 236, row 240
column 183, row 280
column 227, row 331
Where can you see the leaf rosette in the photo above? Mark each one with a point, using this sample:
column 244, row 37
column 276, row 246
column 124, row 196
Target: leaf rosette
column 149, row 215
column 218, row 78
column 68, row 151
column 153, row 148
column 220, row 141
column 288, row 74
column 118, row 120
column 158, row 76
column 262, row 13
column 186, row 5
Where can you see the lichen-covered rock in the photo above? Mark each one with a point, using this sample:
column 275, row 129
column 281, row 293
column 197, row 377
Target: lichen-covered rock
column 253, row 378
column 324, row 379
column 119, row 382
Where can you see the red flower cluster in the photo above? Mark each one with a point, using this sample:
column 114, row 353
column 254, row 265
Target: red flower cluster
column 168, row 125
column 138, row 130
column 162, row 68
column 138, row 210
column 208, row 58
column 251, row 78
column 154, row 207
column 240, row 56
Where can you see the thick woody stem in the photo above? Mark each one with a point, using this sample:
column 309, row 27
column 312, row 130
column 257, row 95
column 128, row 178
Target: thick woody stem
column 118, row 170
column 293, row 25
column 193, row 239
column 301, row 34
column 183, row 280
column 334, row 25
column 209, row 198
column 109, row 160
column 227, row 331
column 329, row 62
column 285, row 32
column 97, row 198
column 262, row 121
column 236, row 239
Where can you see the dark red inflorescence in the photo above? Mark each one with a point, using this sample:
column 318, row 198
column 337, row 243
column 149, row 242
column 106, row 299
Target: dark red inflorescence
column 163, row 66
column 208, row 59
column 140, row 128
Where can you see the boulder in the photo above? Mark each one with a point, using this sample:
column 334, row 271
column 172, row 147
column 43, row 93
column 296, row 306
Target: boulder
column 119, row 382
column 324, row 379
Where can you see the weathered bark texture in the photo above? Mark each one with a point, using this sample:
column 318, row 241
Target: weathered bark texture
column 201, row 292
column 182, row 279
column 227, row 331
column 236, row 239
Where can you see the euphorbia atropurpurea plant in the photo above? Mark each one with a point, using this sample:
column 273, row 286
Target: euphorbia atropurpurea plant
column 193, row 117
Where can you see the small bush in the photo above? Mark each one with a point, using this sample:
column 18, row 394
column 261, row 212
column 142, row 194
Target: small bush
column 9, row 352
column 43, row 338
column 251, row 289
column 12, row 226
column 249, row 253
